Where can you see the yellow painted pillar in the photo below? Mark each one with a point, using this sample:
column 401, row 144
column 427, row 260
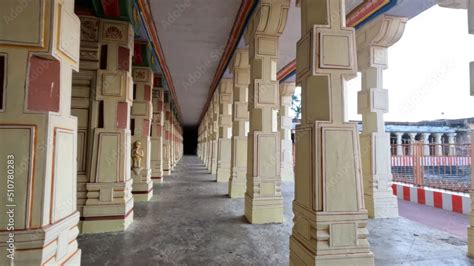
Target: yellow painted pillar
column 225, row 130
column 157, row 131
column 39, row 49
column 329, row 214
column 287, row 90
column 141, row 115
column 263, row 199
column 109, row 204
column 240, row 117
column 373, row 40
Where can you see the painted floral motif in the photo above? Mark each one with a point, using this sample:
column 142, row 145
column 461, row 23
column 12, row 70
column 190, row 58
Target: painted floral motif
column 89, row 29
column 113, row 33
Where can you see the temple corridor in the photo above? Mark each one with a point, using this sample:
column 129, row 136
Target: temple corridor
column 191, row 221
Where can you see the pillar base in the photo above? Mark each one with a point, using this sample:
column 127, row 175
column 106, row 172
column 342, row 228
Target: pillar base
column 142, row 196
column 299, row 255
column 381, row 207
column 223, row 175
column 157, row 179
column 32, row 247
column 264, row 210
column 106, row 224
column 237, row 190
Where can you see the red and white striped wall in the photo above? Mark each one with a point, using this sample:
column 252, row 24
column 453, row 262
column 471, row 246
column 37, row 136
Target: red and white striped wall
column 451, row 201
column 432, row 160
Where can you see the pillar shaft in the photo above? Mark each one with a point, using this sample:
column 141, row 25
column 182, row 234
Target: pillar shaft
column 284, row 125
column 166, row 141
column 214, row 133
column 426, row 143
column 225, row 130
column 157, row 131
column 329, row 215
column 438, row 144
column 142, row 110
column 240, row 116
column 373, row 41
column 452, row 144
column 263, row 199
column 400, row 149
column 38, row 135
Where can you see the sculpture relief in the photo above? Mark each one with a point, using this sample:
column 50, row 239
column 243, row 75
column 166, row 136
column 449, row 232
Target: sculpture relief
column 137, row 155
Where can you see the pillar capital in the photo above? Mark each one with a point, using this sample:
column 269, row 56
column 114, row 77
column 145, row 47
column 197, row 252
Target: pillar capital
column 425, row 135
column 240, row 60
column 287, row 89
column 269, row 18
column 374, row 38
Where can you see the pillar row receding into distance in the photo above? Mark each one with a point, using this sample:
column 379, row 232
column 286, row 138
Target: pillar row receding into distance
column 263, row 199
column 241, row 69
column 225, row 130
column 141, row 115
column 39, row 49
column 330, row 219
column 284, row 125
column 373, row 40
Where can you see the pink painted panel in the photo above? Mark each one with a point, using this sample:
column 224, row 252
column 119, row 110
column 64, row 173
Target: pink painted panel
column 122, row 115
column 43, row 85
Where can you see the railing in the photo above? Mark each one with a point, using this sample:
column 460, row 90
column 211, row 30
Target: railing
column 443, row 166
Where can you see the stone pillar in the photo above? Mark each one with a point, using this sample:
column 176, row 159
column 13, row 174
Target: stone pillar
column 426, row 143
column 157, row 131
column 452, row 144
column 373, row 41
column 329, row 214
column 241, row 69
column 225, row 130
column 411, row 148
column 109, row 204
column 284, row 125
column 166, row 141
column 209, row 137
column 84, row 106
column 400, row 149
column 438, row 144
column 263, row 199
column 38, row 134
column 469, row 5
column 141, row 115
column 214, row 132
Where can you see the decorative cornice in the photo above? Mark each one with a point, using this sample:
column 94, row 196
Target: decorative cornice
column 151, row 29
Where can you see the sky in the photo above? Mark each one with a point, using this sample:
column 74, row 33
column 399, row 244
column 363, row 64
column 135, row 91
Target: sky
column 428, row 73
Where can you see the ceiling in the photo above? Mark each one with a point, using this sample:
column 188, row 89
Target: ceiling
column 196, row 35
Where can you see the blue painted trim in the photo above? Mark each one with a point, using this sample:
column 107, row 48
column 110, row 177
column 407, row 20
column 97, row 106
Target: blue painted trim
column 379, row 12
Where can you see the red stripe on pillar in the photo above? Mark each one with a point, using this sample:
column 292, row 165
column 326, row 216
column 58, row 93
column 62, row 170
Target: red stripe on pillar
column 438, row 200
column 394, row 188
column 421, row 196
column 111, row 8
column 122, row 115
column 146, row 127
column 147, row 93
column 457, row 203
column 406, row 193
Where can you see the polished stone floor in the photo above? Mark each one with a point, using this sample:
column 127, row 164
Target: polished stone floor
column 191, row 221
